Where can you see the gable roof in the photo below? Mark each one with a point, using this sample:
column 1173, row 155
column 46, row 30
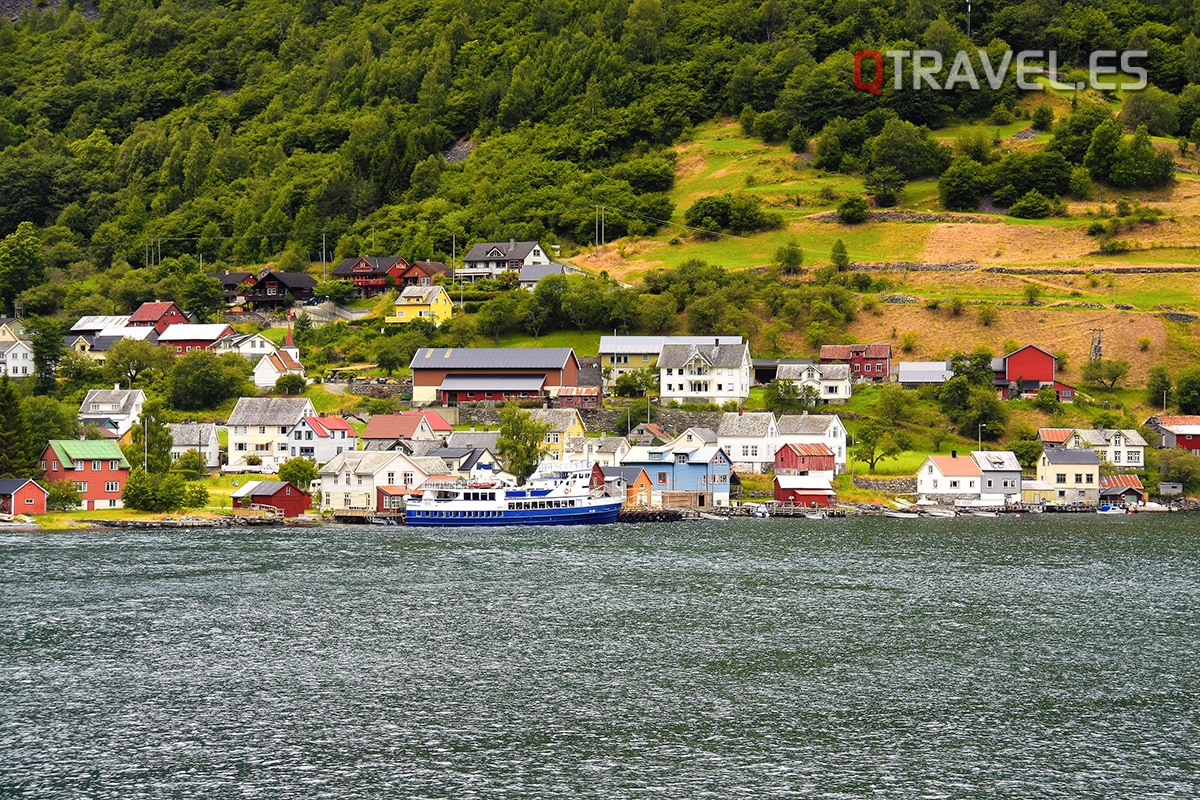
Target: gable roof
column 492, row 358
column 806, row 424
column 99, row 322
column 532, row 273
column 628, row 474
column 924, row 372
column 430, row 267
column 745, row 423
column 424, row 294
column 561, row 418
column 292, row 280
column 1122, row 481
column 509, row 251
column 13, row 485
column 828, row 372
column 123, row 399
column 153, row 311
column 1054, row 435
column 282, row 361
column 192, row 434
column 996, row 460
column 190, row 331
column 378, row 264
column 819, row 450
column 715, row 354
column 325, row 426
column 270, row 410
column 393, row 426
column 844, row 352
column 482, row 439
column 71, row 450
column 264, row 488
column 1102, row 438
column 231, row 280
column 956, row 467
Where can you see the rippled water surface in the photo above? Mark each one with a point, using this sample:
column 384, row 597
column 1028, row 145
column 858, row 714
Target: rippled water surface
column 1044, row 657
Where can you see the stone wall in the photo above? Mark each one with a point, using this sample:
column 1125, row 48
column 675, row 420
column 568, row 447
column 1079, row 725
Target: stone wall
column 596, row 420
column 892, row 485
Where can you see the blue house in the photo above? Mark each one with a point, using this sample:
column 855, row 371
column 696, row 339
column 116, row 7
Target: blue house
column 695, row 474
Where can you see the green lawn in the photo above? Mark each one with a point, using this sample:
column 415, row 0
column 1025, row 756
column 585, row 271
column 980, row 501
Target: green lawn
column 584, row 344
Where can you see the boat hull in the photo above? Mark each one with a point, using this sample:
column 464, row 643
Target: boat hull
column 595, row 514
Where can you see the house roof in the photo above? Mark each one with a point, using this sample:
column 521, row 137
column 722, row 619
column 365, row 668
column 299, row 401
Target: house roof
column 579, row 391
column 270, row 410
column 430, row 465
column 96, row 323
column 432, row 267
column 509, row 251
column 924, row 372
column 829, row 372
column 496, row 383
column 378, row 264
column 231, row 280
column 996, row 460
column 806, row 483
column 818, row 450
column 292, row 280
column 263, row 489
column 1122, row 481
column 10, row 486
column 123, row 399
column 190, row 331
column 532, row 273
column 466, row 457
column 483, row 439
column 956, row 467
column 71, row 450
column 13, row 345
column 843, row 352
column 650, row 429
column 1102, row 438
column 628, row 474
column 806, row 424
column 717, row 355
column 282, row 361
column 749, row 423
column 492, row 358
column 637, row 345
column 424, row 294
column 1026, row 347
column 561, row 418
column 118, row 332
column 1070, row 455
column 393, row 426
column 152, row 311
column 192, row 434
column 325, row 426
column 1054, row 435
column 362, row 462
column 1177, row 419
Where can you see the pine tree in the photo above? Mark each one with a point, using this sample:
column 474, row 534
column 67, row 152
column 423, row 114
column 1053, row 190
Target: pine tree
column 16, row 439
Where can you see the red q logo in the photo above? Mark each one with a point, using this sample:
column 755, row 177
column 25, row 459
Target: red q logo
column 876, row 84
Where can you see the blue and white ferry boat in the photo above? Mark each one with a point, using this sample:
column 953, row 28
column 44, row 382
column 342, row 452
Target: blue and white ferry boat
column 557, row 495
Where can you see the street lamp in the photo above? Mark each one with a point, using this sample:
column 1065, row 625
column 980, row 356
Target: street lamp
column 981, row 427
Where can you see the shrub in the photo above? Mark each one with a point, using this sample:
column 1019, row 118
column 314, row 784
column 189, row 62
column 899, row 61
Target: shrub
column 1081, row 183
column 1043, row 117
column 1033, row 205
column 1032, row 292
column 956, row 306
column 961, row 185
column 908, row 342
column 253, row 460
column 798, row 139
column 852, row 210
column 988, row 316
column 1143, row 343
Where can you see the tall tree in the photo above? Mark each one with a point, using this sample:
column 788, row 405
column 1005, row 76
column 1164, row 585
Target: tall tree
column 202, row 296
column 127, row 359
column 46, row 341
column 521, row 441
column 150, row 440
column 49, row 419
column 22, row 262
column 16, row 437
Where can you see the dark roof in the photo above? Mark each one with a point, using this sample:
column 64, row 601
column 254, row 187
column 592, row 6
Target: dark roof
column 627, row 474
column 720, row 355
column 509, row 251
column 12, row 485
column 491, row 358
column 1070, row 455
column 292, row 280
column 532, row 273
column 232, row 279
column 432, row 267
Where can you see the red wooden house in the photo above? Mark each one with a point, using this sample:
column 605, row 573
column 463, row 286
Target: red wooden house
column 157, row 315
column 22, row 496
column 867, row 361
column 802, row 459
column 370, row 274
column 422, row 273
column 97, row 468
column 288, row 498
column 579, row 397
column 1024, row 371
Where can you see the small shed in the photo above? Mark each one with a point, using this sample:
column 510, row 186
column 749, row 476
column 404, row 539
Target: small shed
column 1170, row 489
column 1122, row 489
column 288, row 498
column 1035, row 492
column 578, row 397
column 804, row 490
column 22, row 496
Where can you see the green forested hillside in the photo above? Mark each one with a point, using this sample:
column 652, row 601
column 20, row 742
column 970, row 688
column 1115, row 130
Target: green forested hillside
column 243, row 131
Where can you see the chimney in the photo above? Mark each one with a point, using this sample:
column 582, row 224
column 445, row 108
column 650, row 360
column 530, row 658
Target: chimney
column 472, row 429
column 740, row 411
column 512, row 245
column 954, row 454
column 116, row 387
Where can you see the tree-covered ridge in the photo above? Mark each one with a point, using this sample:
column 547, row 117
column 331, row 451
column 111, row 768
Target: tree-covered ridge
column 238, row 131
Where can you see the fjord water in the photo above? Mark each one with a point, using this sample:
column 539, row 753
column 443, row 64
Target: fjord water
column 1052, row 656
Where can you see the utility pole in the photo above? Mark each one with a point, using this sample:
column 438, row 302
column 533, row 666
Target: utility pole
column 324, row 274
column 145, row 443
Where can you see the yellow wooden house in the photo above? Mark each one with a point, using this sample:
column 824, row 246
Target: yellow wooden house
column 566, row 426
column 422, row 302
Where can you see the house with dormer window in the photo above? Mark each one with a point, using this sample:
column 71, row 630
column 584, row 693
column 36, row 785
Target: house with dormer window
column 1123, row 448
column 829, row 383
column 115, row 409
column 429, row 303
column 493, row 259
column 686, row 474
column 262, row 426
column 709, row 373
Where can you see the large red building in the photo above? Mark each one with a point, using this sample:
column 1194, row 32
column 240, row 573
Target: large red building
column 871, row 362
column 97, row 468
column 805, row 491
column 287, row 497
column 157, row 315
column 458, row 375
column 801, row 459
column 370, row 274
column 189, row 337
column 1024, row 371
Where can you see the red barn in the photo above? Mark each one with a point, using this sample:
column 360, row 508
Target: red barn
column 804, row 490
column 288, row 498
column 867, row 361
column 97, row 468
column 455, row 375
column 1182, row 431
column 189, row 337
column 22, row 496
column 1024, row 371
column 800, row 459
column 157, row 315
